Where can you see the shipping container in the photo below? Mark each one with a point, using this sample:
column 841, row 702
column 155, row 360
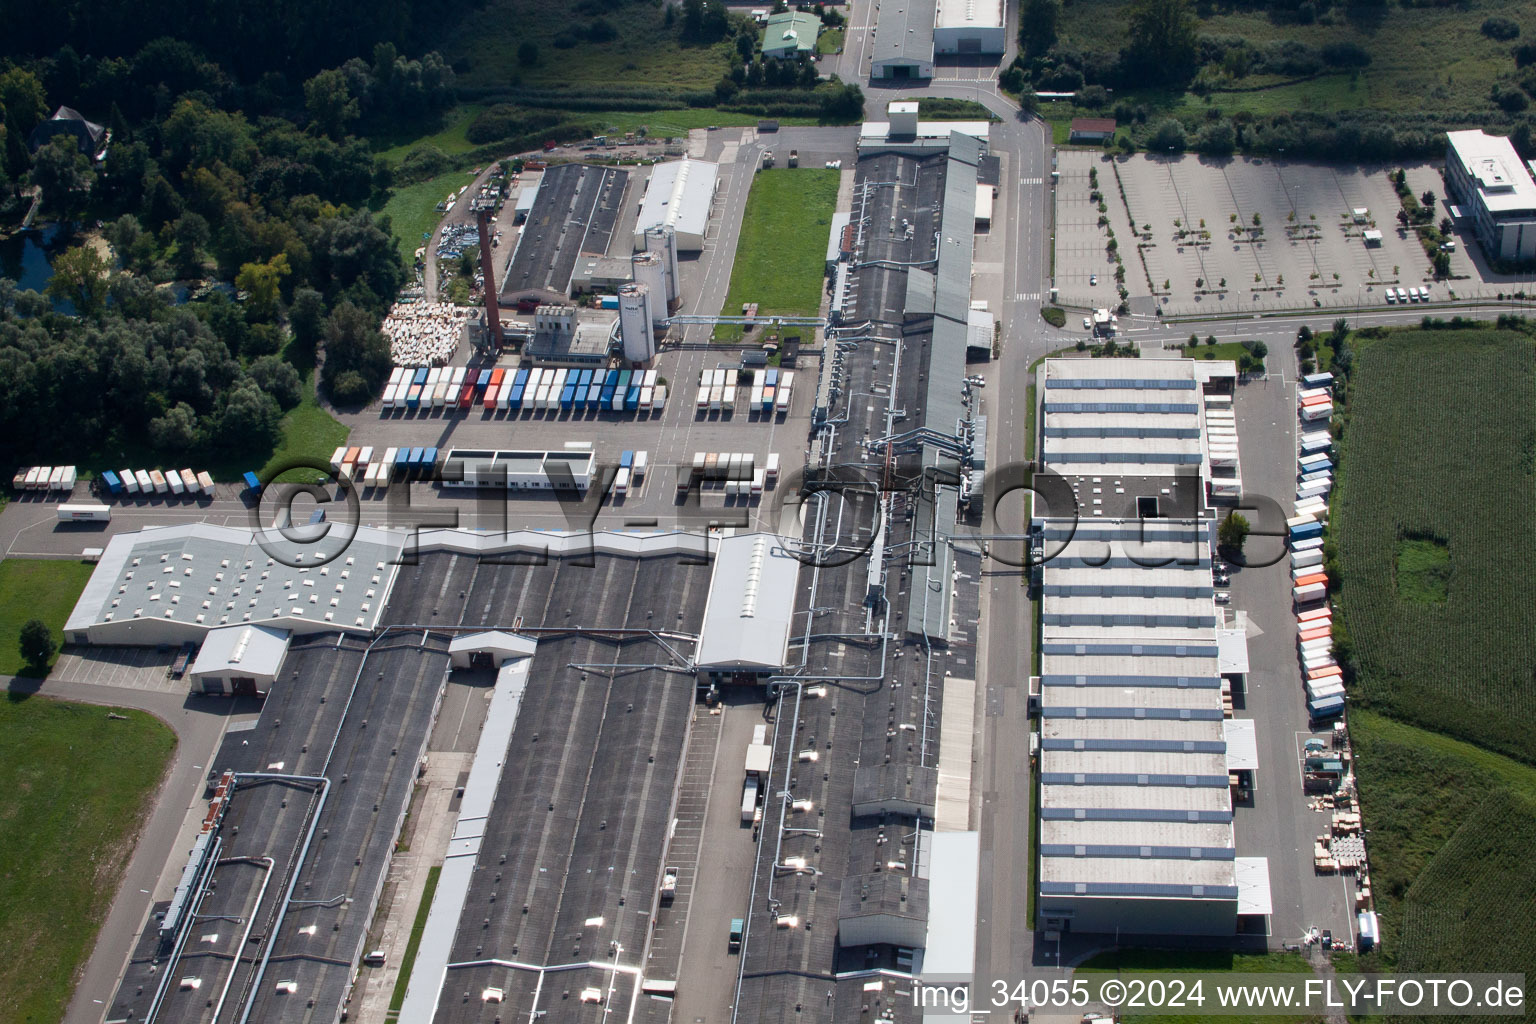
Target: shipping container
column 568, row 395
column 594, row 393
column 1325, row 708
column 396, row 375
column 458, row 377
column 621, row 483
column 413, row 460
column 387, row 400
column 338, row 457
column 1306, row 543
column 1312, row 556
column 1322, row 690
column 1315, row 507
column 1315, row 575
column 434, row 376
column 640, row 461
column 771, row 471
column 771, row 378
column 1315, row 615
column 1317, row 380
column 1313, row 413
column 755, row 398
column 173, row 477
column 1325, row 475
column 108, row 478
column 129, row 480
column 391, row 460
column 515, row 396
column 1314, row 489
column 67, row 478
column 1311, row 393
column 492, row 398
column 728, row 398
column 158, row 479
column 147, row 483
column 659, row 398
column 413, row 397
column 632, row 398
column 1309, row 593
column 486, row 378
column 84, row 513
column 711, row 465
column 1315, row 631
column 429, row 459
column 1316, row 441
column 440, row 394
column 626, row 458
column 540, row 397
column 758, row 481
column 703, row 400
column 647, row 397
column 37, row 477
column 421, row 375
column 650, row 379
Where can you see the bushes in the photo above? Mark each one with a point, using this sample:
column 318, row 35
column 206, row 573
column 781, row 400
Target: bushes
column 1168, row 136
column 1054, row 315
column 504, row 120
column 1500, row 28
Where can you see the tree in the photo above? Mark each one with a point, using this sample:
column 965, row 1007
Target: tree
column 528, row 54
column 328, row 99
column 36, row 643
column 356, row 354
column 249, row 418
column 278, row 378
column 23, row 103
column 1163, row 43
column 176, row 430
column 191, row 234
column 1169, row 137
column 1037, row 26
column 80, row 278
column 260, row 282
column 63, row 173
column 1442, row 263
column 1260, row 350
column 1232, row 533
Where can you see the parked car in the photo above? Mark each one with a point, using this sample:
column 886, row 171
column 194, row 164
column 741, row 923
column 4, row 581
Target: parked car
column 1327, row 939
column 1224, row 598
column 1093, row 279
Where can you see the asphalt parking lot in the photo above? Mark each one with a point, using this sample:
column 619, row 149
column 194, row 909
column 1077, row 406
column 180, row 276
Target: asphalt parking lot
column 1278, row 824
column 1186, row 249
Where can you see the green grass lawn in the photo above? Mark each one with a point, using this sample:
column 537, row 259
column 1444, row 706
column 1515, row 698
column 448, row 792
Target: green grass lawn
column 413, row 944
column 309, row 432
column 44, row 589
column 412, row 210
column 1147, row 962
column 781, row 257
column 74, row 787
column 450, row 139
column 830, row 40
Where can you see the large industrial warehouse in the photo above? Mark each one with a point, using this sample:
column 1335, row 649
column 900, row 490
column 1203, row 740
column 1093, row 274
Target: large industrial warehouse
column 1137, row 746
column 678, row 195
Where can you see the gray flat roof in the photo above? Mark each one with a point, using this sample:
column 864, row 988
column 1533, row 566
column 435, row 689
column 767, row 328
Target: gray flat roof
column 254, row 649
column 904, row 31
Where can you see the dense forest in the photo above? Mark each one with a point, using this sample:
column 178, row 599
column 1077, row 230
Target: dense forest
column 222, row 245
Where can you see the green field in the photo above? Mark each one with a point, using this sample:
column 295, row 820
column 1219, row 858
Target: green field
column 1440, row 438
column 412, row 210
column 830, row 40
column 44, row 589
column 644, row 51
column 781, row 258
column 1151, row 962
column 450, row 138
column 1423, row 57
column 74, row 788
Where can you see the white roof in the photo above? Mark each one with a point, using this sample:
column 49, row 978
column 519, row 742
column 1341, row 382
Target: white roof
column 970, row 14
column 1242, row 743
column 251, row 649
column 1502, row 179
column 508, row 644
column 1233, row 644
column 679, row 195
column 954, row 871
column 1253, row 886
column 751, row 601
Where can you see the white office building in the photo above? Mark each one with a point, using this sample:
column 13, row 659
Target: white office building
column 1494, row 190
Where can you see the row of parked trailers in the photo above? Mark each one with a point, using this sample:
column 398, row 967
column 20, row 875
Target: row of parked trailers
column 358, row 463
column 463, row 388
column 736, row 473
column 1323, row 677
column 768, row 392
column 45, row 478
column 154, row 481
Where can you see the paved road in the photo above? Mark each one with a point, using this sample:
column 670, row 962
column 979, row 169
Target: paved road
column 199, row 723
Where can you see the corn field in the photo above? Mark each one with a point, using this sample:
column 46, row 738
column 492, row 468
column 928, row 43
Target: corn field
column 1441, row 442
column 1482, row 884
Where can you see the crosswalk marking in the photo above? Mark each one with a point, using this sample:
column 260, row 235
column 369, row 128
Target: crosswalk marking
column 1031, row 181
column 1026, row 297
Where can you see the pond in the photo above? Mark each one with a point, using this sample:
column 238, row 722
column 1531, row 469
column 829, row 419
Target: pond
column 24, row 257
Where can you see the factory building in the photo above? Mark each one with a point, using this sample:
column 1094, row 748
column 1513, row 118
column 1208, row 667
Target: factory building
column 239, row 661
column 747, row 616
column 1136, row 833
column 1493, row 187
column 176, row 584
column 969, row 27
column 569, row 336
column 679, row 196
column 904, row 40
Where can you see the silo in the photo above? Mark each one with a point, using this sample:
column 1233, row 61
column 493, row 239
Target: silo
column 662, row 240
column 649, row 270
column 635, row 332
